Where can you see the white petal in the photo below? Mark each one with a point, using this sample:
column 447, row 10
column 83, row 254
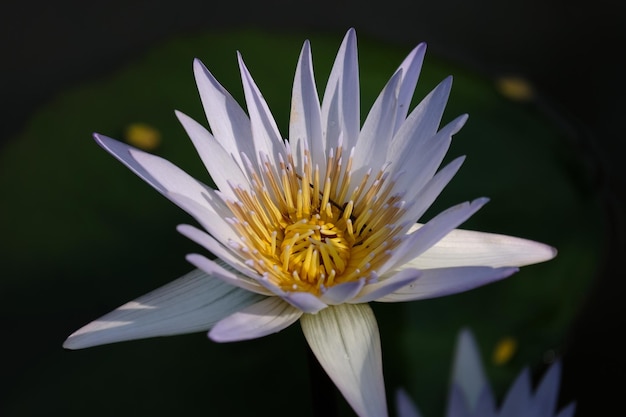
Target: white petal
column 431, row 190
column 218, row 162
column 156, row 171
column 339, row 293
column 346, row 342
column 445, row 281
column 410, row 68
column 419, row 166
column 305, row 123
column 377, row 130
column 466, row 247
column 216, row 271
column 386, row 286
column 265, row 133
column 229, row 123
column 216, row 248
column 340, row 106
column 416, row 243
column 189, row 304
column 404, row 406
column 421, row 124
column 268, row 316
column 211, row 214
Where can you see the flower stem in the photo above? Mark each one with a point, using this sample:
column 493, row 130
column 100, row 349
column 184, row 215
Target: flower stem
column 323, row 391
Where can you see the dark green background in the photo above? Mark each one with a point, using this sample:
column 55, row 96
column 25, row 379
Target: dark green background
column 81, row 235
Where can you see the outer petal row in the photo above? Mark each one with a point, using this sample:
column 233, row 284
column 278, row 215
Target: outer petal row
column 192, row 303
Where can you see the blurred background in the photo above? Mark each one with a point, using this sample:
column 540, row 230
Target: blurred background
column 70, row 64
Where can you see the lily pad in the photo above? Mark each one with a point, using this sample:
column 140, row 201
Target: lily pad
column 81, row 235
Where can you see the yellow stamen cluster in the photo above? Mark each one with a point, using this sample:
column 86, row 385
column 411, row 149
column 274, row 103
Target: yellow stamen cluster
column 307, row 231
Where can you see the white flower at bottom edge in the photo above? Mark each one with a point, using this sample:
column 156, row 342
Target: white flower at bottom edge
column 471, row 396
column 316, row 227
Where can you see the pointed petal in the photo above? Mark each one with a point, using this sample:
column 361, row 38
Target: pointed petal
column 158, row 172
column 216, row 248
column 346, row 342
column 211, row 214
column 219, row 163
column 305, row 122
column 339, row 293
column 544, row 401
column 268, row 316
column 466, row 247
column 431, row 190
column 340, row 106
column 411, row 68
column 216, row 271
column 419, row 166
column 387, row 286
column 518, row 398
column 416, row 243
column 229, row 123
column 265, row 133
column 190, row 304
column 468, row 372
column 377, row 130
column 421, row 124
column 445, row 281
column 404, row 406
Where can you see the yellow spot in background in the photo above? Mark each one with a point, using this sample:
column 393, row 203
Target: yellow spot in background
column 515, row 88
column 143, row 136
column 504, row 350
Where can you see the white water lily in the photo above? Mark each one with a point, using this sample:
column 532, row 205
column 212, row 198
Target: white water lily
column 314, row 228
column 471, row 396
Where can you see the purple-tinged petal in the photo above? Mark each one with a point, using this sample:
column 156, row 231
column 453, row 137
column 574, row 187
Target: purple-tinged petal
column 339, row 293
column 388, row 285
column 470, row 248
column 340, row 106
column 429, row 234
column 189, row 304
column 467, row 372
column 518, row 398
column 265, row 133
column 404, row 406
column 457, row 403
column 305, row 301
column 305, row 123
column 220, row 165
column 216, row 248
column 346, row 342
column 156, row 171
column 213, row 269
column 445, row 281
column 410, row 68
column 229, row 123
column 545, row 397
column 268, row 316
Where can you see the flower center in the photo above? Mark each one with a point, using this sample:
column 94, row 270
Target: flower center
column 315, row 248
column 307, row 234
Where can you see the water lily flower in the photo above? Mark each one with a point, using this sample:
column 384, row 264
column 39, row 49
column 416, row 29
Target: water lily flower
column 314, row 227
column 471, row 395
